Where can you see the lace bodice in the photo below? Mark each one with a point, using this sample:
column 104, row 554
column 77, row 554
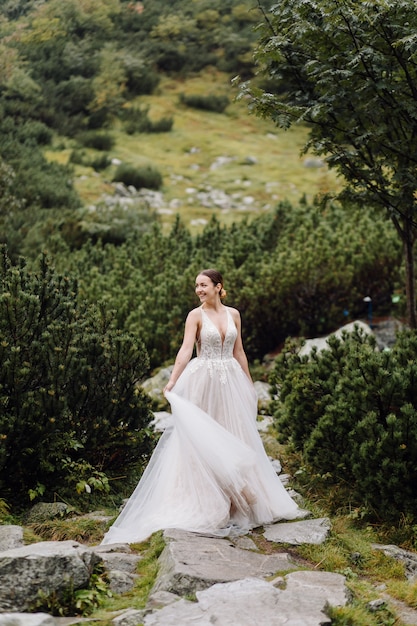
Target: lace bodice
column 211, row 345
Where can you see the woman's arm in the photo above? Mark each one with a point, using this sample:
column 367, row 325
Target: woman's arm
column 238, row 350
column 186, row 351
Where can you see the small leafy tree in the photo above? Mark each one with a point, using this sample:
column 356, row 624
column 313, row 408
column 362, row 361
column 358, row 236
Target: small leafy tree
column 71, row 410
column 349, row 71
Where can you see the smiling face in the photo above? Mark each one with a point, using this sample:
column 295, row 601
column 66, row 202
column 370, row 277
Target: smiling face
column 205, row 289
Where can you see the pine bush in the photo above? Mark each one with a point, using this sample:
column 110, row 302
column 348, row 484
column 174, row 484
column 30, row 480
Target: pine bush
column 352, row 412
column 140, row 177
column 72, row 413
column 211, row 102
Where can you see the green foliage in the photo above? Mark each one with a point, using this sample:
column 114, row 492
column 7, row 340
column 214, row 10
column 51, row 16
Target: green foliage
column 145, row 176
column 136, row 120
column 348, row 71
column 284, row 278
column 97, row 140
column 352, row 411
column 37, row 182
column 72, row 412
column 210, row 102
column 72, row 601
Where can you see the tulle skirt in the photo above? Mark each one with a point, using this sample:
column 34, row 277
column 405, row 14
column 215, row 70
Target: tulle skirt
column 209, row 472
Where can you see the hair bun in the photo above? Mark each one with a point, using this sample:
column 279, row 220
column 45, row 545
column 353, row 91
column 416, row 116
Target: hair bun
column 223, row 293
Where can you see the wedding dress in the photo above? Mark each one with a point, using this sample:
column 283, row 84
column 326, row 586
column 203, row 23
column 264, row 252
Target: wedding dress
column 209, row 472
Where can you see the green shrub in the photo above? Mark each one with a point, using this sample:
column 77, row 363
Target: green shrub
column 352, row 411
column 140, row 177
column 38, row 132
column 97, row 140
column 72, row 413
column 211, row 102
column 141, row 78
column 100, row 162
column 136, row 120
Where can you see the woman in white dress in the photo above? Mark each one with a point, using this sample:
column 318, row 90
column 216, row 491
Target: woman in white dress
column 209, row 472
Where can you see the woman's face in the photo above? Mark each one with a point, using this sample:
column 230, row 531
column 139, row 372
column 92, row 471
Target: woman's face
column 205, row 288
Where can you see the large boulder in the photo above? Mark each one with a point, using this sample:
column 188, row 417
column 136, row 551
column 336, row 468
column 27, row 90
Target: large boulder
column 47, row 567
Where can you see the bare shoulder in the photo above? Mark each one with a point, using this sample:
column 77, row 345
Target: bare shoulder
column 234, row 313
column 194, row 315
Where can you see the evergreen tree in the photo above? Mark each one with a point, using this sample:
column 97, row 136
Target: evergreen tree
column 72, row 412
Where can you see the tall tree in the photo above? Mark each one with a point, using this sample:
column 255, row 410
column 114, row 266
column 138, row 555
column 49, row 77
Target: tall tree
column 348, row 70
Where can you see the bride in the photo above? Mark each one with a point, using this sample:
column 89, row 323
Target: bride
column 209, row 472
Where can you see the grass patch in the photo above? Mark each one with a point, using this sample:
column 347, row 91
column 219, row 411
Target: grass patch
column 147, row 569
column 186, row 155
column 83, row 529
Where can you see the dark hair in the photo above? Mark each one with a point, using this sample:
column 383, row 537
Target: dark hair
column 215, row 278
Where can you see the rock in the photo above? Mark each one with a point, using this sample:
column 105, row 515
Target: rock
column 242, row 602
column 278, row 468
column 160, row 599
column 321, row 342
column 376, row 605
column 26, row 619
column 121, row 582
column 263, row 392
column 10, row 537
column 313, row 531
column 285, row 479
column 264, row 423
column 162, row 420
column 131, row 617
column 191, row 562
column 313, row 163
column 108, row 548
column 405, row 556
column 44, row 511
column 154, row 386
column 49, row 566
column 121, row 561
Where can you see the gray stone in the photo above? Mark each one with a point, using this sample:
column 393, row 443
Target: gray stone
column 405, row 556
column 263, row 392
column 277, row 467
column 252, row 601
column 376, row 605
column 121, row 561
column 121, row 582
column 131, row 617
column 49, row 566
column 10, row 537
column 245, row 543
column 108, row 548
column 313, row 531
column 44, row 511
column 321, row 343
column 26, row 619
column 162, row 420
column 192, row 562
column 154, row 386
column 285, row 479
column 160, row 599
column 264, row 423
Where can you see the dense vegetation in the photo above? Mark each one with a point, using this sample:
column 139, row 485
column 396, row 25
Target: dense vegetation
column 351, row 410
column 93, row 301
column 72, row 414
column 342, row 69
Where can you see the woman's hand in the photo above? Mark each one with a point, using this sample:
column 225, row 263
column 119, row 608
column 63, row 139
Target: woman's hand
column 168, row 386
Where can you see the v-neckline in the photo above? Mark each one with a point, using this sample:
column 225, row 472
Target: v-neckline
column 222, row 339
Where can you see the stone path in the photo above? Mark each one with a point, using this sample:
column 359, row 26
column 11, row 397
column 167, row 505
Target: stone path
column 206, row 581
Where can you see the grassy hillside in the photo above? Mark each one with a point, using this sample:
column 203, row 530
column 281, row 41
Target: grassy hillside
column 186, row 156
